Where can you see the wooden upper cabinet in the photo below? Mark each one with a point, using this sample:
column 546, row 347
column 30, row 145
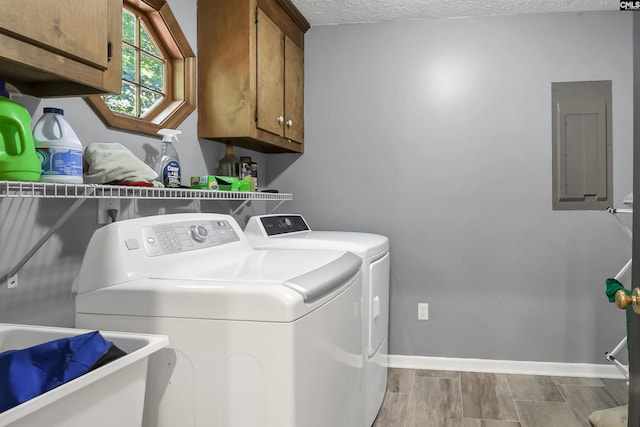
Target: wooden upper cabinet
column 251, row 74
column 62, row 47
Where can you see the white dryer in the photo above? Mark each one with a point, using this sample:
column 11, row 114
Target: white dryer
column 288, row 231
column 257, row 337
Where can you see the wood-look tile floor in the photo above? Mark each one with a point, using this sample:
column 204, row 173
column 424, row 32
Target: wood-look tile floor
column 420, row 398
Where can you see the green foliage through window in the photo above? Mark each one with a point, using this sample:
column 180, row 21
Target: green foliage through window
column 143, row 69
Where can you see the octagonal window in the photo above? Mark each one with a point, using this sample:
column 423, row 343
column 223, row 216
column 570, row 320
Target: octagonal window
column 158, row 72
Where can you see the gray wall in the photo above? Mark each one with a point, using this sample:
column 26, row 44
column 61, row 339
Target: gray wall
column 438, row 134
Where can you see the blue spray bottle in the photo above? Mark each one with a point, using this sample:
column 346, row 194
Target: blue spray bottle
column 168, row 167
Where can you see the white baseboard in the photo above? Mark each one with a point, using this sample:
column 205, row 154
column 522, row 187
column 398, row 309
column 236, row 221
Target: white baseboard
column 588, row 370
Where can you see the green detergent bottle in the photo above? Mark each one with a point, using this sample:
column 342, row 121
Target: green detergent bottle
column 18, row 158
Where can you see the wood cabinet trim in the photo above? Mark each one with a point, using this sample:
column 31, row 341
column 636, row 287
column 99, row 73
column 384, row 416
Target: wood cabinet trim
column 295, row 15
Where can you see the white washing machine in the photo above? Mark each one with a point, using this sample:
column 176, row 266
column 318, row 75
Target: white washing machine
column 257, row 337
column 292, row 232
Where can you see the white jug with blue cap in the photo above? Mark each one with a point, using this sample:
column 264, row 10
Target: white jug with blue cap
column 58, row 147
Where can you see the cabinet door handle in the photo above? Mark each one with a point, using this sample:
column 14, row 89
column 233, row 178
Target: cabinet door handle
column 289, row 123
column 280, row 120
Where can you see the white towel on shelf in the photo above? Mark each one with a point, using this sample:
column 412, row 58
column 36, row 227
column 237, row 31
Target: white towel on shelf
column 110, row 161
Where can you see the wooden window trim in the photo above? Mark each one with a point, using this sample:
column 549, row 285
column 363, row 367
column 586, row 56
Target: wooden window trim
column 180, row 75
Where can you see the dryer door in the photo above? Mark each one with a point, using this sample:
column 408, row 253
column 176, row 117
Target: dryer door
column 378, row 303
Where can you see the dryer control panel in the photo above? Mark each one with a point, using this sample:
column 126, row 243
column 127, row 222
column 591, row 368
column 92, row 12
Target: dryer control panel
column 282, row 224
column 184, row 236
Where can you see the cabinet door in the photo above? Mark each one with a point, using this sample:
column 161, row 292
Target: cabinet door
column 293, row 91
column 73, row 28
column 112, row 80
column 270, row 75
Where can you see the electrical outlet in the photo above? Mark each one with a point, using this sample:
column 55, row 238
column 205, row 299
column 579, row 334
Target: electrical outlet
column 423, row 311
column 106, row 208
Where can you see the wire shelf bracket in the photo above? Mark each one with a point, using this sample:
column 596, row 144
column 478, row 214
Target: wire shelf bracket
column 11, row 277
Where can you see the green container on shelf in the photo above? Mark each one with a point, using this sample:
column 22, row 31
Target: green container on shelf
column 18, row 158
column 231, row 183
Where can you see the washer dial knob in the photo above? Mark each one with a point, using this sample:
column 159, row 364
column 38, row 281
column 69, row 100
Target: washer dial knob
column 198, row 233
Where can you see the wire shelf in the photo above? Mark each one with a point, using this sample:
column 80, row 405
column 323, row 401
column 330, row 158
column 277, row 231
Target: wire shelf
column 82, row 192
column 94, row 191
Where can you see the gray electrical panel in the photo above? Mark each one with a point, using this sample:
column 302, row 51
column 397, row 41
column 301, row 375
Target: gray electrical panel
column 581, row 142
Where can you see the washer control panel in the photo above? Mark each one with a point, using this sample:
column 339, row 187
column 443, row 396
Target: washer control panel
column 186, row 236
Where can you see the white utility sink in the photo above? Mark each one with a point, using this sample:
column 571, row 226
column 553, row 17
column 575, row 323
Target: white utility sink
column 112, row 395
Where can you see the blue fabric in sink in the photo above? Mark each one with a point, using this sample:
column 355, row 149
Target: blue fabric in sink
column 27, row 373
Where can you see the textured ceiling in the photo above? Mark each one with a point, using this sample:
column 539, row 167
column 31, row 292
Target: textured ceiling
column 329, row 12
